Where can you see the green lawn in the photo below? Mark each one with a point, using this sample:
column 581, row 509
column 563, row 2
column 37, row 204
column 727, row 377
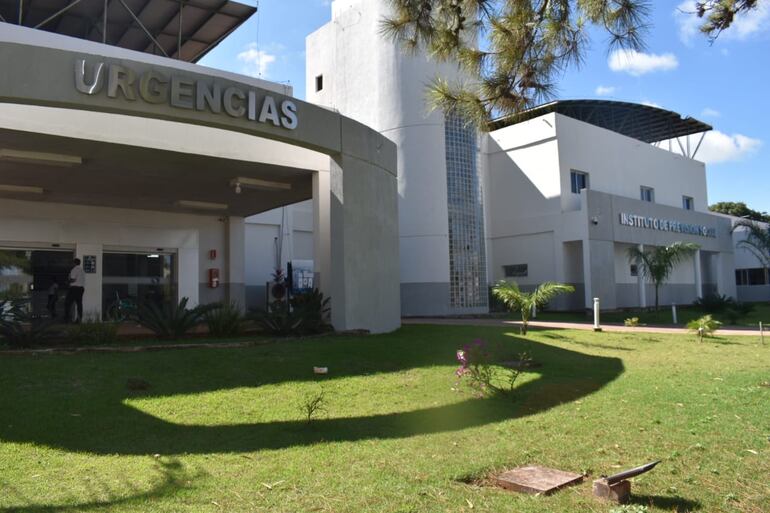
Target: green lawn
column 761, row 312
column 220, row 430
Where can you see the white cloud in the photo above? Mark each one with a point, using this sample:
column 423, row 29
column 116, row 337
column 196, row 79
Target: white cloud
column 604, row 90
column 708, row 112
column 743, row 27
column 688, row 21
column 719, row 147
column 256, row 62
column 638, row 63
column 651, row 104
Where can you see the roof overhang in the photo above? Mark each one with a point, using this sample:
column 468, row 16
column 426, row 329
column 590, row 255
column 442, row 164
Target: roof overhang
column 642, row 122
column 185, row 30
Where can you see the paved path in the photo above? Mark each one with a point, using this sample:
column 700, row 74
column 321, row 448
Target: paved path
column 574, row 326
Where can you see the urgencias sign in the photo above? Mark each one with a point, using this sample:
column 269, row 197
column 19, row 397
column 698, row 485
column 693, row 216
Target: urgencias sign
column 666, row 225
column 157, row 88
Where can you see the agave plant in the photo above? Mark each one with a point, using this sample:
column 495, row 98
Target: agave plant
column 278, row 319
column 224, row 320
column 18, row 330
column 313, row 309
column 171, row 320
column 513, row 298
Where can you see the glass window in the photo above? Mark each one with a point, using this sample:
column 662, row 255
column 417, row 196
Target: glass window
column 578, row 181
column 516, row 271
column 634, row 270
column 755, row 276
column 688, row 203
column 319, row 83
column 647, row 194
column 142, row 277
column 467, row 253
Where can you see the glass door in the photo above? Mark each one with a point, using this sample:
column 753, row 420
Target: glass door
column 39, row 278
column 138, row 278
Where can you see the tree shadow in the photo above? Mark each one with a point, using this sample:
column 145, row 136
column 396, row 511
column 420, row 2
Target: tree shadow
column 77, row 402
column 173, row 477
column 668, row 503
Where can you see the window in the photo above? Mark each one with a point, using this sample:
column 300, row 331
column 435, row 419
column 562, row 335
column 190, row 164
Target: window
column 467, row 252
column 579, row 181
column 756, row 276
column 647, row 194
column 634, row 270
column 319, row 83
column 688, row 203
column 516, row 271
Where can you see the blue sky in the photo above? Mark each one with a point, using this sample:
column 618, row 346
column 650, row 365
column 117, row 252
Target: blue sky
column 724, row 84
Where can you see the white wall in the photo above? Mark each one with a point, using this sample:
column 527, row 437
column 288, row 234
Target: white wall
column 620, row 165
column 372, row 80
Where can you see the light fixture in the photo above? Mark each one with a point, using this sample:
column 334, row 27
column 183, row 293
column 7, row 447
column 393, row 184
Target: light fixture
column 201, row 205
column 241, row 183
column 39, row 157
column 153, row 256
column 21, row 189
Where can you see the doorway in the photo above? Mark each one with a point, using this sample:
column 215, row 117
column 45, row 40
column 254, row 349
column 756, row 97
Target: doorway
column 138, row 277
column 31, row 275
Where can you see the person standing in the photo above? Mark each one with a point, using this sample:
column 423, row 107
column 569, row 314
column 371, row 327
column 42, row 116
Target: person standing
column 75, row 293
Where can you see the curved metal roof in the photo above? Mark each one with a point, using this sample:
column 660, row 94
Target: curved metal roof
column 642, row 122
column 203, row 23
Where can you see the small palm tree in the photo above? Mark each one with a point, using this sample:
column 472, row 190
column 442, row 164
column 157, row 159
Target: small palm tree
column 512, row 296
column 704, row 327
column 656, row 263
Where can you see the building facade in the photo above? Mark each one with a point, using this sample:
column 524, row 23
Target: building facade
column 559, row 193
column 146, row 166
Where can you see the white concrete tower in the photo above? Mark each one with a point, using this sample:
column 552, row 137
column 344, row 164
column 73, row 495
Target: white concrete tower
column 354, row 69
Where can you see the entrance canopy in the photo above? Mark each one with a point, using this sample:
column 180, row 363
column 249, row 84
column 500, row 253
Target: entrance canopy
column 240, row 181
column 185, row 30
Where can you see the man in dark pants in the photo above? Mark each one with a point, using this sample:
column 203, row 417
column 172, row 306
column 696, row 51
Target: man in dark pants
column 75, row 293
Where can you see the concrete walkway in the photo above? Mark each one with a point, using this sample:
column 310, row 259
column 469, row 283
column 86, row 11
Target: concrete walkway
column 446, row 321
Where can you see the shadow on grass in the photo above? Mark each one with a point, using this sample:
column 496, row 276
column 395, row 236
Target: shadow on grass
column 667, row 503
column 77, row 403
column 173, row 477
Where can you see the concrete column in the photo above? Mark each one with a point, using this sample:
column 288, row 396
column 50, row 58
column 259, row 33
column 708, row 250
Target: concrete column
column 725, row 274
column 698, row 275
column 92, row 297
column 321, row 230
column 587, row 278
column 235, row 255
column 642, row 283
column 188, row 273
column 364, row 251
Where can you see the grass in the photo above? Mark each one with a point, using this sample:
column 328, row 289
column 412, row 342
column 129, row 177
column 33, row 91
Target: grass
column 224, row 429
column 685, row 314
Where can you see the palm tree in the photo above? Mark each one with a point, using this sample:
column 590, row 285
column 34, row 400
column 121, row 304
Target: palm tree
column 757, row 240
column 657, row 263
column 512, row 296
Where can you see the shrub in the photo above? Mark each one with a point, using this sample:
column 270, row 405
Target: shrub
column 704, row 327
column 714, row 303
column 312, row 405
column 171, row 320
column 277, row 319
column 513, row 297
column 313, row 310
column 224, row 320
column 482, row 369
column 17, row 328
column 632, row 322
column 92, row 333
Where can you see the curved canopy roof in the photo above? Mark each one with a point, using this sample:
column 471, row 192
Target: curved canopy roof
column 642, row 122
column 203, row 23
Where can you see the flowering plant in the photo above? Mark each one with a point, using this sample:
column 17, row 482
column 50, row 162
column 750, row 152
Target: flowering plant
column 482, row 370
